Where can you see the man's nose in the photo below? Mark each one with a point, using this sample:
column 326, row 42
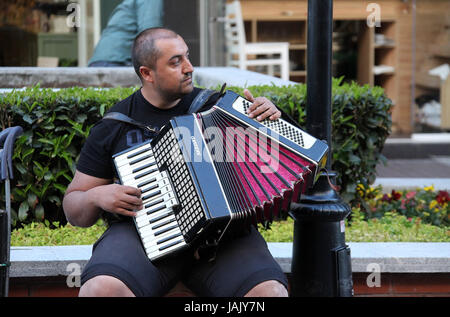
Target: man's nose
column 188, row 68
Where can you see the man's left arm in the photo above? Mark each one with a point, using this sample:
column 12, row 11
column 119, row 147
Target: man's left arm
column 261, row 107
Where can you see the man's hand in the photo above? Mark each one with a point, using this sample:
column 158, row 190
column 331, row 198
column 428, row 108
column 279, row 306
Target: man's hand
column 119, row 199
column 87, row 196
column 261, row 107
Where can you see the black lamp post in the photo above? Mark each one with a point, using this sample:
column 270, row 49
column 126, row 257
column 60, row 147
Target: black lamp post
column 321, row 264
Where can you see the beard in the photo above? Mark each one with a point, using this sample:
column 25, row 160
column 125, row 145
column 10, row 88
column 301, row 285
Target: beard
column 172, row 93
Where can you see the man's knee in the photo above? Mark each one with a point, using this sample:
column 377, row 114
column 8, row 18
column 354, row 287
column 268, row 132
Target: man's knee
column 270, row 288
column 104, row 286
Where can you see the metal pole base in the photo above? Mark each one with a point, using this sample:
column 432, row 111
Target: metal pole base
column 321, row 262
column 4, row 260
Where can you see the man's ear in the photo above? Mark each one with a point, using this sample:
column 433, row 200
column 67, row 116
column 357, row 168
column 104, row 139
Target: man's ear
column 146, row 73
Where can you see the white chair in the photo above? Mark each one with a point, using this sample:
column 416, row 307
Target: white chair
column 237, row 45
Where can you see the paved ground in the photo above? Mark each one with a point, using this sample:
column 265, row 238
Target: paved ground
column 433, row 167
column 414, row 164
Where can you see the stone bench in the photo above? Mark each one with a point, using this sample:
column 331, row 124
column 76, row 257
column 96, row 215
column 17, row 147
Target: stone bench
column 405, row 269
column 62, row 77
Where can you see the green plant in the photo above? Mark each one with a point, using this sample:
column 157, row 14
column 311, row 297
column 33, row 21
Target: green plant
column 56, row 124
column 426, row 204
column 393, row 227
column 48, row 234
column 361, row 123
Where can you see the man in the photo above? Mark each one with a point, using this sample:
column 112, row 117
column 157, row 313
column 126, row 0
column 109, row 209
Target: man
column 119, row 266
column 128, row 19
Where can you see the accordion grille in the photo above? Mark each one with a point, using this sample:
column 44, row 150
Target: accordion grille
column 279, row 126
column 168, row 153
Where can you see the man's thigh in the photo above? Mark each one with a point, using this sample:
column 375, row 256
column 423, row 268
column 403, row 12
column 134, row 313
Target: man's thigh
column 240, row 265
column 119, row 253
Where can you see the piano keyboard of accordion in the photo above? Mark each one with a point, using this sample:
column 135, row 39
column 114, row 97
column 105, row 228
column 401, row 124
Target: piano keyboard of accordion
column 217, row 171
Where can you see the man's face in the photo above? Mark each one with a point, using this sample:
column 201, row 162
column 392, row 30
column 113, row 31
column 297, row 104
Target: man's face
column 173, row 70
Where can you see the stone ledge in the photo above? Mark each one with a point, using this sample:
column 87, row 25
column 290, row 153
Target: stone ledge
column 427, row 257
column 232, row 76
column 62, row 77
column 397, row 183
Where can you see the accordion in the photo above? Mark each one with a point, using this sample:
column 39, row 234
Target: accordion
column 216, row 171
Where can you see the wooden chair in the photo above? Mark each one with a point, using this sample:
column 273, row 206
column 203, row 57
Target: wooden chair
column 237, row 46
column 44, row 61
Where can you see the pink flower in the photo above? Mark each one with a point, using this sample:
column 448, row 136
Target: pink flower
column 410, row 195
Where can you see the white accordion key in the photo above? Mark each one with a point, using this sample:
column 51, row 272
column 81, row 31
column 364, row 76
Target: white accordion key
column 132, row 155
column 134, row 169
column 156, row 222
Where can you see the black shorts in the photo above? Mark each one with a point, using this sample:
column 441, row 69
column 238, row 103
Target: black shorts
column 240, row 264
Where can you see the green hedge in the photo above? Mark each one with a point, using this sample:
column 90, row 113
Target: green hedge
column 56, row 123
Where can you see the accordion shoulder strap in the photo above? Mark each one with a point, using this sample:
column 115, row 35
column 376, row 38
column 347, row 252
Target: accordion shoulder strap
column 203, row 97
column 200, row 100
column 118, row 116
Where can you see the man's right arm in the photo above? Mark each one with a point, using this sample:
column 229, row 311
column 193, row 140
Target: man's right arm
column 87, row 197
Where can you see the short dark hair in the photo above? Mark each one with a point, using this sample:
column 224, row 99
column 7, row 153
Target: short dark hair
column 144, row 51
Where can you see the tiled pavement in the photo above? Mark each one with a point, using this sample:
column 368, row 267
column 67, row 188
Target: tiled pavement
column 432, row 167
column 412, row 164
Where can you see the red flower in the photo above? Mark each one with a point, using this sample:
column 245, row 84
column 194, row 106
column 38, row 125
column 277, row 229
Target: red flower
column 395, row 195
column 442, row 197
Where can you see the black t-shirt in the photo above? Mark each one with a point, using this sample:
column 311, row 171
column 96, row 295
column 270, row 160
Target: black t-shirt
column 108, row 137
